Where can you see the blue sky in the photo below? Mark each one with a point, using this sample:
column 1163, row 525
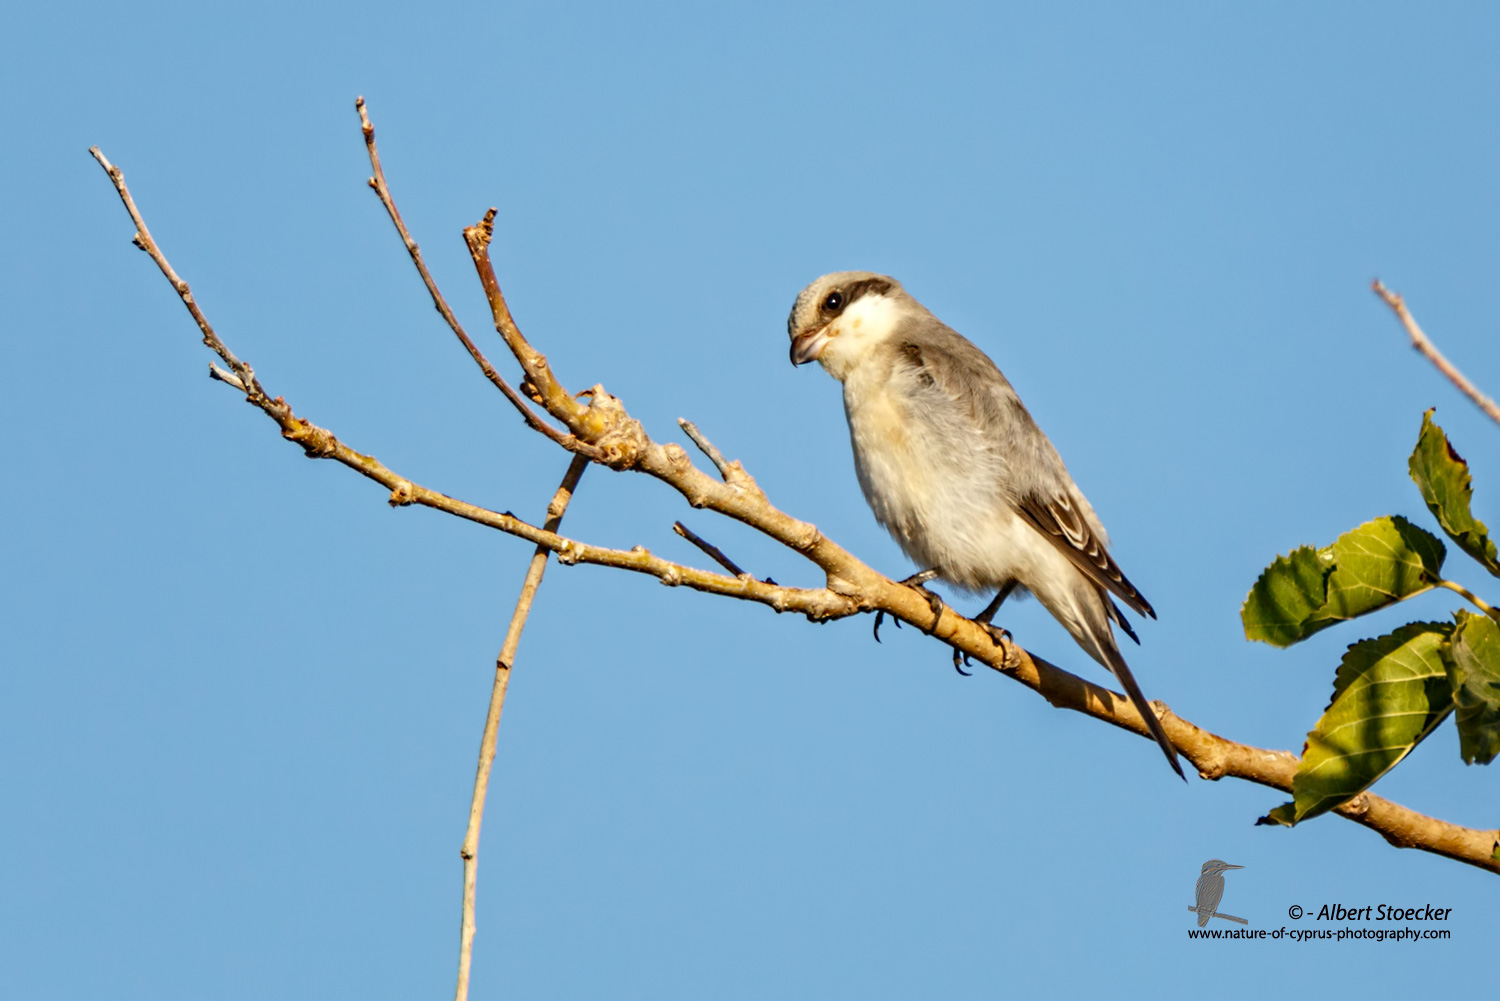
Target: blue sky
column 242, row 697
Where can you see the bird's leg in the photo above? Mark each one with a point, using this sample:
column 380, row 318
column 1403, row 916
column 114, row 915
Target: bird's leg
column 986, row 617
column 997, row 634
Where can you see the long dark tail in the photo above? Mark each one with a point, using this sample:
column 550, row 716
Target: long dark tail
column 1117, row 666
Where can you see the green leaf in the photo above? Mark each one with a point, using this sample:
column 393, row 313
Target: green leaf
column 1443, row 477
column 1389, row 693
column 1286, row 597
column 1285, row 815
column 1374, row 565
column 1380, row 563
column 1474, row 671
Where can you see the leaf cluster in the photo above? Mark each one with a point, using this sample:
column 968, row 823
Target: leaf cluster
column 1391, row 692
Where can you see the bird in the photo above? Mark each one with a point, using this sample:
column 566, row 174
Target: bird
column 955, row 468
column 1211, row 890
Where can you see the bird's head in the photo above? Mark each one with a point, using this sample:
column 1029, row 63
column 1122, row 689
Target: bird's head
column 1214, row 865
column 839, row 317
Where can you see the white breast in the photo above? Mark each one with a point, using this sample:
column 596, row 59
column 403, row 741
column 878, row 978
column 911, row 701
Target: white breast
column 935, row 482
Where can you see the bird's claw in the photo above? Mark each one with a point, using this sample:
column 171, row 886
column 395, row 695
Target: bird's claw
column 879, row 618
column 998, row 634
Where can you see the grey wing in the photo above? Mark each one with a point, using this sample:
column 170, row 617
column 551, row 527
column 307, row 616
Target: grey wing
column 1061, row 523
column 1038, row 486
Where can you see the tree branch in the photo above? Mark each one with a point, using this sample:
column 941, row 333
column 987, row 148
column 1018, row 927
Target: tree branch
column 851, row 585
column 377, row 182
column 1422, row 343
column 507, row 657
column 710, row 550
column 726, row 470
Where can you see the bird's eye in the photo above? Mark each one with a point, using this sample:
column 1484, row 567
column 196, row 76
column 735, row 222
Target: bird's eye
column 834, row 302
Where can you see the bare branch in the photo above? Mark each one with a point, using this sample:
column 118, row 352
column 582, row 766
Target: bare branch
column 246, row 378
column 706, row 447
column 1422, row 343
column 507, row 657
column 543, row 386
column 713, row 551
column 378, row 183
column 215, row 372
column 852, row 586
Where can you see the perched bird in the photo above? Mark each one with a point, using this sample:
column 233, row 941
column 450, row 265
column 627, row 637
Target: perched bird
column 1211, row 891
column 953, row 465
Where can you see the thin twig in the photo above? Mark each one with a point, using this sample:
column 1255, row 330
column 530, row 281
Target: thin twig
column 383, row 191
column 853, row 587
column 1473, row 598
column 713, row 551
column 1422, row 343
column 215, row 372
column 143, row 240
column 503, row 662
column 706, row 447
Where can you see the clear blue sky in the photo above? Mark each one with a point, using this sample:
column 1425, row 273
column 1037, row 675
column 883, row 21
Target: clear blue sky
column 242, row 697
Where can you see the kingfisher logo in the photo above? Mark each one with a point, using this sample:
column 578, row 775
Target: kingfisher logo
column 1210, row 891
column 1208, row 897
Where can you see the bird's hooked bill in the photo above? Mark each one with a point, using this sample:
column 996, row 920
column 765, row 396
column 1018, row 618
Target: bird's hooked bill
column 808, row 345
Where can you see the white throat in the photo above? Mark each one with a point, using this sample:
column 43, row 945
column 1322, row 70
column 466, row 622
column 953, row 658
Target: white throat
column 870, row 321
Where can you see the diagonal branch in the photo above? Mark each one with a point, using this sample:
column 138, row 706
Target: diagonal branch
column 852, row 586
column 725, row 468
column 1424, row 344
column 507, row 657
column 604, row 422
column 243, row 377
column 710, row 550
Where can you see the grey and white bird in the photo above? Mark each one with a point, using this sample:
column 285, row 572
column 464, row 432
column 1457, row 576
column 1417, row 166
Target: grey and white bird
column 954, row 466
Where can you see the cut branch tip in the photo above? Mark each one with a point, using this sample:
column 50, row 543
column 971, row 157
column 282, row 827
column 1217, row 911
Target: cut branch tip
column 215, row 372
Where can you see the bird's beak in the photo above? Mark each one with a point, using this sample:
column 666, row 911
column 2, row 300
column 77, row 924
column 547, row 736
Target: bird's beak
column 808, row 345
column 1228, row 866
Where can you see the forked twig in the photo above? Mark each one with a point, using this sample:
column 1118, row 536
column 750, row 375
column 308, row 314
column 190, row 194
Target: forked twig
column 378, row 183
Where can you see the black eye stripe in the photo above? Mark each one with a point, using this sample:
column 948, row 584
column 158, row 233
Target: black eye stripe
column 828, row 309
column 853, row 293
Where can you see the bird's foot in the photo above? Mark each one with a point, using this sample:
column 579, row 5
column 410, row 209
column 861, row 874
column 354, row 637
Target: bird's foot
column 998, row 635
column 915, row 582
column 934, row 601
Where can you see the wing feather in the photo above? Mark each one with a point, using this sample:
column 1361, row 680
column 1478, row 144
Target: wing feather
column 945, row 360
column 1061, row 524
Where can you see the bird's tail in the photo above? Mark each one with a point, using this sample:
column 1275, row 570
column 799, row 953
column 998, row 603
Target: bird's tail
column 1117, row 666
column 1085, row 612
